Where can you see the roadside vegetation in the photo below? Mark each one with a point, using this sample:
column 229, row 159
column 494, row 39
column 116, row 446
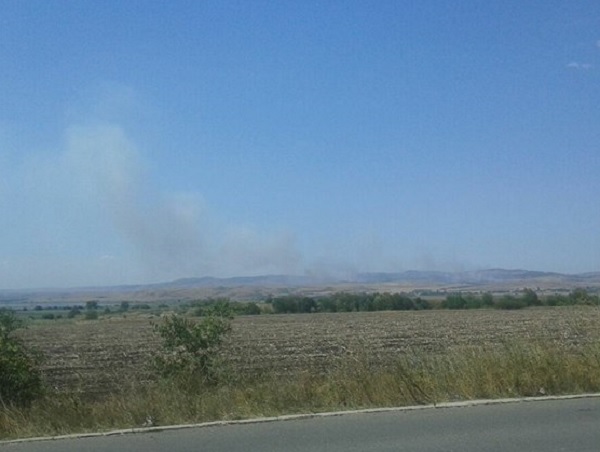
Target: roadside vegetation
column 20, row 377
column 190, row 354
column 202, row 366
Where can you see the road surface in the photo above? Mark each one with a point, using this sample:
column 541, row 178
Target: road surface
column 555, row 425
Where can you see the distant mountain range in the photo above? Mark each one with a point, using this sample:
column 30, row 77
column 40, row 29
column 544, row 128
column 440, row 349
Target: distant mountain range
column 408, row 277
column 256, row 287
column 478, row 277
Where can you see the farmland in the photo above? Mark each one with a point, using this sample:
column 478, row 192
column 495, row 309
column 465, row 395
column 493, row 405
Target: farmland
column 97, row 357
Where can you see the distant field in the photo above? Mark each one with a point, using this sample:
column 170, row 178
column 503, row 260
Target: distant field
column 100, row 356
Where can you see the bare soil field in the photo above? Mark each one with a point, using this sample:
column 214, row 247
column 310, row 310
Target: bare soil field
column 100, row 356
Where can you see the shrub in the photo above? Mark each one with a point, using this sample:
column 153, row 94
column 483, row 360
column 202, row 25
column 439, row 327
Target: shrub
column 530, row 298
column 454, row 301
column 191, row 348
column 557, row 300
column 581, row 296
column 473, row 302
column 91, row 314
column 421, row 303
column 74, row 311
column 487, row 300
column 20, row 378
column 249, row 308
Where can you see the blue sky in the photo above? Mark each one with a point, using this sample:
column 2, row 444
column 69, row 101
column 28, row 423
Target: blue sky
column 147, row 141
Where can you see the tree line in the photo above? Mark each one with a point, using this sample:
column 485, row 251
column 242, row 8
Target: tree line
column 377, row 301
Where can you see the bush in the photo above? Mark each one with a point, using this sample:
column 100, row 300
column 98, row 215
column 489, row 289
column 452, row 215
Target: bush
column 581, row 296
column 420, row 303
column 557, row 300
column 20, row 378
column 74, row 311
column 530, row 298
column 191, row 348
column 454, row 301
column 250, row 308
column 487, row 300
column 473, row 302
column 91, row 314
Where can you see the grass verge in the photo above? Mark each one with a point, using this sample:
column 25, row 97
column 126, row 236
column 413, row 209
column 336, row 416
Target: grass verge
column 510, row 370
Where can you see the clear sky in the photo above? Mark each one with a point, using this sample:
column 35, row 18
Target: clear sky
column 147, row 141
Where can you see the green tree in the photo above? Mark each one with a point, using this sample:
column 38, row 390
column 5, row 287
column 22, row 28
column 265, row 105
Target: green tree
column 472, row 301
column 557, row 300
column 249, row 308
column 91, row 314
column 579, row 296
column 74, row 311
column 487, row 299
column 191, row 349
column 421, row 303
column 531, row 298
column 20, row 378
column 454, row 301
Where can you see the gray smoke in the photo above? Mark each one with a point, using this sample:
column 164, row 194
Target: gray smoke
column 171, row 234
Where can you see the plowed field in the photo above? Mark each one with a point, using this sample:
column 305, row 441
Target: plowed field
column 99, row 356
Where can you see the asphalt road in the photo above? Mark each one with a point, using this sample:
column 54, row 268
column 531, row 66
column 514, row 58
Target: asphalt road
column 555, row 425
